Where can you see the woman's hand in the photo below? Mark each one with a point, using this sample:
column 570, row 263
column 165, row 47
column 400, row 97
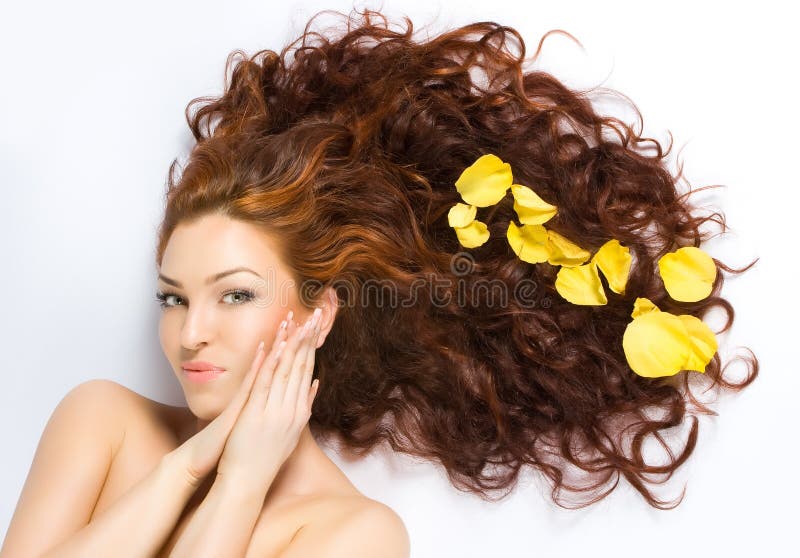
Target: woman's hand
column 278, row 408
column 200, row 454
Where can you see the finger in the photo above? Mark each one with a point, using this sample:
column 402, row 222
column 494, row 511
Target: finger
column 265, row 382
column 280, row 378
column 292, row 324
column 247, row 382
column 287, row 372
column 280, row 336
column 297, row 374
column 265, row 366
column 301, row 398
column 231, row 412
column 289, row 326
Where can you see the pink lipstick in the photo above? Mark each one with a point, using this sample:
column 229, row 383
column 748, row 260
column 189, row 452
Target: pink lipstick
column 200, row 371
column 201, row 375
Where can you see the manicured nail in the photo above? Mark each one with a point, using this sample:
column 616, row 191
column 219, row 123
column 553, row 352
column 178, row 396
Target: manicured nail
column 289, row 315
column 260, row 346
column 283, row 324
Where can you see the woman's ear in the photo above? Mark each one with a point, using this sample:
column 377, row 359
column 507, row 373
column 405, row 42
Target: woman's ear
column 330, row 306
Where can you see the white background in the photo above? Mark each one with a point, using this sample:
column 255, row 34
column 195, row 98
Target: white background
column 92, row 113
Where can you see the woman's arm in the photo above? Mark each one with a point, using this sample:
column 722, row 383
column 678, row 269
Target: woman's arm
column 265, row 434
column 138, row 524
column 223, row 524
column 54, row 514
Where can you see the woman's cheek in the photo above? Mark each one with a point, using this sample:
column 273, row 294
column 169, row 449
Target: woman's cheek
column 254, row 324
column 166, row 334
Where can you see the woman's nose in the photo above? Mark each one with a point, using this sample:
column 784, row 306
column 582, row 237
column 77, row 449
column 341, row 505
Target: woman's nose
column 198, row 328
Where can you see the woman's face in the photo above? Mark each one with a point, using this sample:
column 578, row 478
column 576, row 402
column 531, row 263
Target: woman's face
column 218, row 317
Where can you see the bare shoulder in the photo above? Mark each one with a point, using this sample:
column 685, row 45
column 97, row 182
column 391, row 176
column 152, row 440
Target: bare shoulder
column 106, row 400
column 101, row 391
column 70, row 467
column 150, row 407
column 121, row 407
column 363, row 528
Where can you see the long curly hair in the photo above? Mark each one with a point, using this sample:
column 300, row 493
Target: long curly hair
column 346, row 146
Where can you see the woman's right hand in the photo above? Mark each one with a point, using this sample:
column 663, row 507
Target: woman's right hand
column 200, row 454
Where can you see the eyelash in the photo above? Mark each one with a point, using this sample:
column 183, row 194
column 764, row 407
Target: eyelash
column 161, row 297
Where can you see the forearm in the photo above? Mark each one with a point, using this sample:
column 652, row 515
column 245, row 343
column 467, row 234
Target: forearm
column 223, row 524
column 138, row 524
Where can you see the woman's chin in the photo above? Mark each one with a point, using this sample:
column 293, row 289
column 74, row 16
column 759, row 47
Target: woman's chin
column 205, row 407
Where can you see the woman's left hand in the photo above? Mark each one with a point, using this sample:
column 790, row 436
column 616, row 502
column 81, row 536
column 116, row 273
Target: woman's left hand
column 279, row 407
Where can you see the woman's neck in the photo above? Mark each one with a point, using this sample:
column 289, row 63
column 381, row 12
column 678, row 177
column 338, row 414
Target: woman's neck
column 307, row 470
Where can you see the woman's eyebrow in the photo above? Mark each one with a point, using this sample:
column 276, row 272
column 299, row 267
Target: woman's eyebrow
column 213, row 279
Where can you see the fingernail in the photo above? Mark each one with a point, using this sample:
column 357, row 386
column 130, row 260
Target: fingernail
column 260, row 346
column 280, row 348
column 283, row 324
column 289, row 316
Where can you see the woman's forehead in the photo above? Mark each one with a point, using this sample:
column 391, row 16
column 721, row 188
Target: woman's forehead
column 217, row 243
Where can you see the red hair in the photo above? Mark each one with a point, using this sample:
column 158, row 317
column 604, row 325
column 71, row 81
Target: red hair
column 348, row 151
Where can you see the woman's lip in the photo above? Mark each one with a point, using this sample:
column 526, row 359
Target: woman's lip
column 201, row 376
column 200, row 365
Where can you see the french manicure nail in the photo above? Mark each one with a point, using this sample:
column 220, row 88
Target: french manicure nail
column 280, row 348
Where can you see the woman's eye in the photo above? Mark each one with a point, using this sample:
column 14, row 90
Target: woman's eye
column 238, row 297
column 162, row 299
column 243, row 296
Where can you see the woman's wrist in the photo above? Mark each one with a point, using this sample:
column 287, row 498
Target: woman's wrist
column 246, row 484
column 223, row 523
column 175, row 466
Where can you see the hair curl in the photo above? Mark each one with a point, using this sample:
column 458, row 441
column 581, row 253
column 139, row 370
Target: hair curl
column 348, row 153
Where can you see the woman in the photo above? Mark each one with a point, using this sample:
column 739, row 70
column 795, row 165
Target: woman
column 337, row 175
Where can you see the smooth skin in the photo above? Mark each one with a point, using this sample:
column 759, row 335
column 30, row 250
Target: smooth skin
column 278, row 407
column 273, row 405
column 233, row 429
column 116, row 473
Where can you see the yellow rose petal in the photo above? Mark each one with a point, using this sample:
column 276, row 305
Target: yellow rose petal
column 581, row 285
column 703, row 343
column 564, row 252
column 614, row 260
column 485, row 181
column 656, row 344
column 688, row 273
column 473, row 235
column 461, row 215
column 530, row 208
column 528, row 242
column 642, row 306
